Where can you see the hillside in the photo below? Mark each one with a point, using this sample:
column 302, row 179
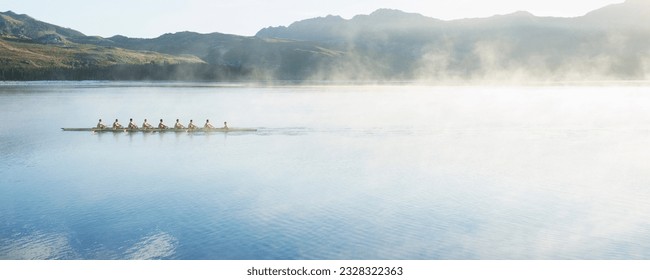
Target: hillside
column 30, row 46
column 31, row 49
column 633, row 14
column 19, row 54
column 23, row 27
column 29, row 61
column 609, row 43
column 259, row 58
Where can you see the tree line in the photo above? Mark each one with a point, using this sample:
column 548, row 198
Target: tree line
column 128, row 72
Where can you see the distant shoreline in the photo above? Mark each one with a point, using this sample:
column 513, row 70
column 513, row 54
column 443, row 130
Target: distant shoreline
column 284, row 83
column 386, row 46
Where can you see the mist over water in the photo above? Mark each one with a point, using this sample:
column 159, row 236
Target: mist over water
column 333, row 172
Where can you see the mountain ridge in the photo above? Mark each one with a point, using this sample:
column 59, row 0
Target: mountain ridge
column 387, row 45
column 21, row 26
column 628, row 15
column 632, row 13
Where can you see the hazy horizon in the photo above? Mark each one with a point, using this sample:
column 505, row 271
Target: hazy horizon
column 150, row 19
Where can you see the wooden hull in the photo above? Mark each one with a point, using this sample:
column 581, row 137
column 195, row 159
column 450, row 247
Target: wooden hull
column 122, row 130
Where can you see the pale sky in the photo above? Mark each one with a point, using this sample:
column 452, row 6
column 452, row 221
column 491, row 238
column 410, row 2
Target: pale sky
column 152, row 18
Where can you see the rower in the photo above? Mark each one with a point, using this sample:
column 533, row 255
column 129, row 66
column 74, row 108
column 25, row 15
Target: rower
column 116, row 125
column 100, row 125
column 146, row 125
column 132, row 125
column 178, row 125
column 161, row 125
column 192, row 125
column 207, row 124
column 225, row 125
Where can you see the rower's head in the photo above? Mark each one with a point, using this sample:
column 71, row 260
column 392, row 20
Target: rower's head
column 115, row 119
column 130, row 120
column 100, row 120
column 176, row 120
column 207, row 121
column 160, row 120
column 145, row 120
column 190, row 121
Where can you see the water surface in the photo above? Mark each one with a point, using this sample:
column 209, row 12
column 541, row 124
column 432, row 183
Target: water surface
column 333, row 172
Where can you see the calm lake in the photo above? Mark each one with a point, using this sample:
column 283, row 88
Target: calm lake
column 333, row 172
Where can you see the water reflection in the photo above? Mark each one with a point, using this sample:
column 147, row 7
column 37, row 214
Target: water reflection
column 356, row 173
column 52, row 246
column 159, row 245
column 37, row 246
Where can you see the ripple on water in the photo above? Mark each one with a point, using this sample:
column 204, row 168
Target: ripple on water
column 159, row 245
column 37, row 246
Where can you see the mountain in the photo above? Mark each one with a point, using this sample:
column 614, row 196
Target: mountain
column 609, row 43
column 256, row 58
column 633, row 14
column 630, row 15
column 28, row 46
column 31, row 49
column 334, row 29
column 17, row 26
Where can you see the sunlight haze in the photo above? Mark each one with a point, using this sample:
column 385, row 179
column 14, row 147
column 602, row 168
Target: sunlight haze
column 149, row 18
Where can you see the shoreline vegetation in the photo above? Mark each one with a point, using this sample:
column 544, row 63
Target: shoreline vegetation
column 126, row 72
column 386, row 46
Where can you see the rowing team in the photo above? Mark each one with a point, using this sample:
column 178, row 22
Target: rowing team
column 161, row 125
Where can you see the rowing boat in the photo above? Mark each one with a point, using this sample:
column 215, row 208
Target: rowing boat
column 234, row 129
